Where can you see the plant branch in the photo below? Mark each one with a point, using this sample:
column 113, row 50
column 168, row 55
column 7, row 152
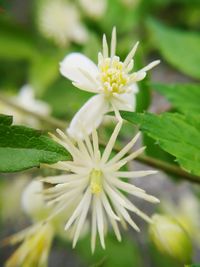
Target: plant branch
column 55, row 123
column 158, row 164
column 168, row 168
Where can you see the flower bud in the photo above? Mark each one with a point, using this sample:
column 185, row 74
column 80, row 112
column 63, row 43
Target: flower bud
column 33, row 202
column 170, row 238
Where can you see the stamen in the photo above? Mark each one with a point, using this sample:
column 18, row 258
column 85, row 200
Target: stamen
column 96, row 181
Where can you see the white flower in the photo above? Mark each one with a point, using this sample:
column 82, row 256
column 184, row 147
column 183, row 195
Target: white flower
column 93, row 181
column 111, row 80
column 94, row 8
column 26, row 99
column 60, row 21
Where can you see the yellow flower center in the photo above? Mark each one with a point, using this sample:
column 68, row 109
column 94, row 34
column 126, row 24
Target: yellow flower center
column 113, row 77
column 96, row 181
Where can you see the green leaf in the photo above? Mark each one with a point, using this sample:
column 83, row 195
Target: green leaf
column 115, row 9
column 174, row 133
column 22, row 148
column 117, row 254
column 184, row 97
column 5, row 120
column 179, row 48
column 15, row 43
column 44, row 70
column 193, row 265
column 58, row 95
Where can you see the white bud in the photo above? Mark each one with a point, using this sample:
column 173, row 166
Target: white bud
column 33, row 202
column 170, row 238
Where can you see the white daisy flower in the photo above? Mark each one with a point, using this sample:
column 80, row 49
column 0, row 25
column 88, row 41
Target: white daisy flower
column 93, row 181
column 60, row 21
column 112, row 81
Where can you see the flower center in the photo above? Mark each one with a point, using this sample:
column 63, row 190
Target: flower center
column 112, row 75
column 96, row 181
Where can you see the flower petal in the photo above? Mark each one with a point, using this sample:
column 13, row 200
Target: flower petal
column 75, row 65
column 126, row 101
column 88, row 117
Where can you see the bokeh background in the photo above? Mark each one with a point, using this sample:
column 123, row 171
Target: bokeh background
column 34, row 37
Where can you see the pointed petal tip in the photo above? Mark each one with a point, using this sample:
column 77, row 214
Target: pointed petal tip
column 137, row 229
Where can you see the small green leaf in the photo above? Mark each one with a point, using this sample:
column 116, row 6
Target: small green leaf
column 22, row 148
column 179, row 48
column 193, row 265
column 5, row 120
column 174, row 133
column 184, row 97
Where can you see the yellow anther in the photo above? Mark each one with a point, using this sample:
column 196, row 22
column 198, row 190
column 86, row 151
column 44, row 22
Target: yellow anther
column 96, row 181
column 113, row 76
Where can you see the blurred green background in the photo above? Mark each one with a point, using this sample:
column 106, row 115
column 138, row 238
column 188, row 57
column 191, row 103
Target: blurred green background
column 34, row 37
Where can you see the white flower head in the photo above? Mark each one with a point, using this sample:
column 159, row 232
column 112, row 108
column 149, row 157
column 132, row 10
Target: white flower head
column 93, row 181
column 94, row 8
column 60, row 21
column 112, row 80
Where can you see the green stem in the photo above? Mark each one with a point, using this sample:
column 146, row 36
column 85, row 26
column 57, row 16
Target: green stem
column 158, row 164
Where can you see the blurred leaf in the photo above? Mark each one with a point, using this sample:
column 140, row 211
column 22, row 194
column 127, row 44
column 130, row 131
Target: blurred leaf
column 184, row 97
column 22, row 148
column 64, row 98
column 117, row 254
column 116, row 9
column 143, row 97
column 15, row 43
column 160, row 260
column 43, row 71
column 179, row 48
column 92, row 47
column 174, row 133
column 193, row 265
column 5, row 120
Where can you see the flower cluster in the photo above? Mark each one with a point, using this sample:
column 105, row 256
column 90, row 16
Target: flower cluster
column 92, row 187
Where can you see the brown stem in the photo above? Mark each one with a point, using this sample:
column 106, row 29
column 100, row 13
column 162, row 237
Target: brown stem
column 158, row 164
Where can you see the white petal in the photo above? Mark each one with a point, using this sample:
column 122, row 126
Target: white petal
column 126, row 101
column 81, row 221
column 94, row 225
column 72, row 65
column 100, row 222
column 111, row 142
column 88, row 117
